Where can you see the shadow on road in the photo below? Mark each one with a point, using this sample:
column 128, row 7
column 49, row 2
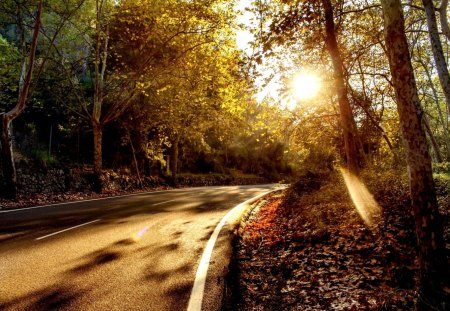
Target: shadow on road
column 14, row 227
column 50, row 298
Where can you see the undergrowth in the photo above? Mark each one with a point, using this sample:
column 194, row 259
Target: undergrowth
column 310, row 250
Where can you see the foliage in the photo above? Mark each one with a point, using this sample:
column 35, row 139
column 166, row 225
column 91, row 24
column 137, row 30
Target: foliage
column 441, row 168
column 9, row 69
column 173, row 69
column 387, row 185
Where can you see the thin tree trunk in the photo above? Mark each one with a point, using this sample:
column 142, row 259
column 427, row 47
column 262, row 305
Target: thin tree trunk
column 7, row 155
column 440, row 113
column 429, row 229
column 369, row 115
column 99, row 69
column 434, row 144
column 346, row 115
column 438, row 53
column 98, row 135
column 174, row 160
column 443, row 18
column 97, row 131
column 136, row 166
column 9, row 169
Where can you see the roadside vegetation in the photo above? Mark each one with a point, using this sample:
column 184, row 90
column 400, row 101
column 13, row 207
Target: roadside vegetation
column 308, row 248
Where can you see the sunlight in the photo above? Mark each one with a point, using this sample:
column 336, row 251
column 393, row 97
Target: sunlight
column 243, row 39
column 270, row 89
column 243, row 36
column 363, row 200
column 290, row 104
column 305, row 85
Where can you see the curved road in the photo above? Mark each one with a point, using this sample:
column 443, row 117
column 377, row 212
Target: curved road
column 137, row 252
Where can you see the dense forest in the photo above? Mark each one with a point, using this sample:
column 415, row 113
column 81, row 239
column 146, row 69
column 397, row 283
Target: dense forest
column 152, row 86
column 161, row 87
column 166, row 87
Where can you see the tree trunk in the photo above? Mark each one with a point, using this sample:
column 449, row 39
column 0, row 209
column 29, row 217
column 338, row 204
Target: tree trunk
column 97, row 131
column 100, row 53
column 439, row 110
column 429, row 229
column 174, row 160
column 438, row 53
column 434, row 144
column 346, row 115
column 136, row 166
column 443, row 17
column 9, row 169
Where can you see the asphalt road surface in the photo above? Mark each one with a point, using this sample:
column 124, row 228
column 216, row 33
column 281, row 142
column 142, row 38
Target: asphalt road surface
column 137, row 252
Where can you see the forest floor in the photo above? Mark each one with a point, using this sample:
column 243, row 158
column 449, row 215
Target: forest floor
column 308, row 249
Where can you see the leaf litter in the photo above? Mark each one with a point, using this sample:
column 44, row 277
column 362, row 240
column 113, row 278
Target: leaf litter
column 308, row 249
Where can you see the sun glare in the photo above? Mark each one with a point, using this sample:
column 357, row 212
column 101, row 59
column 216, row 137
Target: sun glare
column 363, row 200
column 305, row 86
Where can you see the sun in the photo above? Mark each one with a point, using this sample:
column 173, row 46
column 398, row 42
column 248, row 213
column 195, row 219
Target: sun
column 305, row 86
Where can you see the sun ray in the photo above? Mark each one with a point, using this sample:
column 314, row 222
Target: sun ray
column 305, row 86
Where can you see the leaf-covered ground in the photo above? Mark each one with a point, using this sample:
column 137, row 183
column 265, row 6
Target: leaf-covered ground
column 308, row 249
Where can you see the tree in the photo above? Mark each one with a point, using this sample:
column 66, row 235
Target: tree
column 298, row 26
column 8, row 165
column 347, row 120
column 429, row 230
column 185, row 62
column 438, row 53
column 443, row 18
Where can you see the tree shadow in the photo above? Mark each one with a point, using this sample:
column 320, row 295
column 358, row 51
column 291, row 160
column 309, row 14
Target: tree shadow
column 163, row 250
column 104, row 257
column 177, row 234
column 160, row 276
column 17, row 227
column 124, row 242
column 50, row 298
column 59, row 218
column 179, row 294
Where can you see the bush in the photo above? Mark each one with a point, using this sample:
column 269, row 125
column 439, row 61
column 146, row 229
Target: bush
column 442, row 168
column 386, row 186
column 41, row 156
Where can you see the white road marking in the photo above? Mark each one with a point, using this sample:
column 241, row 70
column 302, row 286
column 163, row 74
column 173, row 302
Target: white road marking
column 90, row 200
column 54, row 233
column 196, row 298
column 98, row 199
column 165, row 202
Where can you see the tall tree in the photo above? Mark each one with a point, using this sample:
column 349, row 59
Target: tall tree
column 99, row 62
column 346, row 115
column 429, row 230
column 9, row 169
column 438, row 52
column 444, row 19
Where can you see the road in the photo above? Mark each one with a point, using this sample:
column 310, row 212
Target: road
column 137, row 252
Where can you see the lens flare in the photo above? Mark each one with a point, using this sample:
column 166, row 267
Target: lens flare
column 140, row 234
column 363, row 200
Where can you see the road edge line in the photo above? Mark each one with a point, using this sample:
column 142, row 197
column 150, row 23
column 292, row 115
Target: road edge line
column 104, row 198
column 67, row 229
column 82, row 201
column 198, row 289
